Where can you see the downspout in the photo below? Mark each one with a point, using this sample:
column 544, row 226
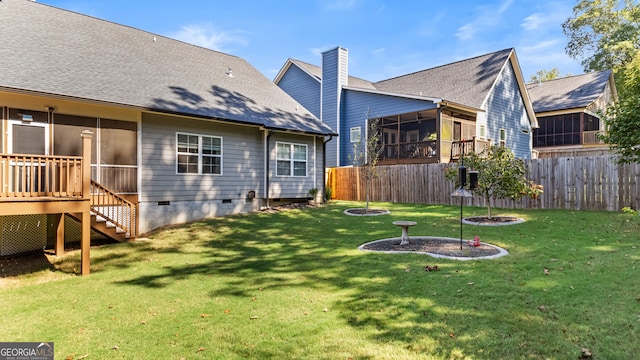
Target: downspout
column 324, row 168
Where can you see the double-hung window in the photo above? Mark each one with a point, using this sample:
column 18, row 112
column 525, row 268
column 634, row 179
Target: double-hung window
column 291, row 159
column 198, row 154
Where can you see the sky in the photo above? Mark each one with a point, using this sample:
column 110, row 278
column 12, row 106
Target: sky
column 384, row 38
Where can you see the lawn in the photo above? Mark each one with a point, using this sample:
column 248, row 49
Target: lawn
column 292, row 285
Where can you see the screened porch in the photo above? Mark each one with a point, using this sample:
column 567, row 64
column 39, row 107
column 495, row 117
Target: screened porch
column 429, row 136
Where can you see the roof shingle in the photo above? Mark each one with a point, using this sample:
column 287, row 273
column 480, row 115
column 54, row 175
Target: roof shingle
column 54, row 51
column 568, row 93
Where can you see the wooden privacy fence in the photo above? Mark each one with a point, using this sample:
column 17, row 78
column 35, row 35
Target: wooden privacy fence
column 577, row 183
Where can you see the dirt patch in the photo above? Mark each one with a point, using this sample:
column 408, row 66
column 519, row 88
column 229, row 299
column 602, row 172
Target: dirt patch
column 433, row 245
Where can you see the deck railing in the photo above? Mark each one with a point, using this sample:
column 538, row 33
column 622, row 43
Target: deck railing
column 466, row 147
column 113, row 208
column 40, row 176
column 591, row 137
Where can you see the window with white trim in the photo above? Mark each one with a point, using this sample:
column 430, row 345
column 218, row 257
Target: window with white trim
column 291, row 159
column 483, row 131
column 503, row 137
column 198, row 154
column 355, row 133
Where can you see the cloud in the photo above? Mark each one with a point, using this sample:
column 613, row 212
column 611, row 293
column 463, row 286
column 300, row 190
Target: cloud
column 547, row 54
column 487, row 18
column 554, row 15
column 533, row 22
column 207, row 36
column 541, row 46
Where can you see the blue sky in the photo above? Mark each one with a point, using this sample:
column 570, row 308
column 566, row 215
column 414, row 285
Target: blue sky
column 385, row 38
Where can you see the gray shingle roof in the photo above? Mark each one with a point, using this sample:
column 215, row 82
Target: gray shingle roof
column 466, row 82
column 54, row 51
column 569, row 92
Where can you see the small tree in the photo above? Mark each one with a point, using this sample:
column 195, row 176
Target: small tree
column 501, row 175
column 366, row 155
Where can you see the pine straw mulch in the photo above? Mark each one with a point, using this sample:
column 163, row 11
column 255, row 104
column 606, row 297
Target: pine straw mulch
column 439, row 246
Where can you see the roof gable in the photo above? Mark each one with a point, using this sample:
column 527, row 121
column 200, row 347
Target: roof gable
column 465, row 82
column 316, row 72
column 571, row 92
column 53, row 51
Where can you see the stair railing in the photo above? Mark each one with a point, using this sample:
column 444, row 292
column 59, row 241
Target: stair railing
column 114, row 209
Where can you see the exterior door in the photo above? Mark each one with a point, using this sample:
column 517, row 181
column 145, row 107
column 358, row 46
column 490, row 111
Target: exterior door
column 27, row 138
column 390, row 141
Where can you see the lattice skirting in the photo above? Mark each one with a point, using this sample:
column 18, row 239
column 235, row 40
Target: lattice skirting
column 27, row 233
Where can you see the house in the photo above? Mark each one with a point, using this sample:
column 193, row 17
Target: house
column 176, row 132
column 568, row 112
column 433, row 115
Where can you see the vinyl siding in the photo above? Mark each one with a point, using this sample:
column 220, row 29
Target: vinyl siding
column 304, row 88
column 505, row 109
column 358, row 104
column 334, row 76
column 188, row 197
column 295, row 186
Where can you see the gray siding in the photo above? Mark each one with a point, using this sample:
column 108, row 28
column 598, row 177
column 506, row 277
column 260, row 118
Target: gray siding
column 296, row 186
column 505, row 109
column 334, row 76
column 193, row 196
column 358, row 104
column 304, row 88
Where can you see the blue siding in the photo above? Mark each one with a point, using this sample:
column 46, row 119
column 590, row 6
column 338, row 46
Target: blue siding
column 505, row 109
column 303, row 87
column 356, row 106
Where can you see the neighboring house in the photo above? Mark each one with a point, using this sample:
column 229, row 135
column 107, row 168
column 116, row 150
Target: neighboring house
column 180, row 132
column 568, row 113
column 432, row 115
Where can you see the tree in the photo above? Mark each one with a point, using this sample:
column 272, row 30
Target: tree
column 622, row 119
column 544, row 75
column 501, row 175
column 366, row 155
column 603, row 34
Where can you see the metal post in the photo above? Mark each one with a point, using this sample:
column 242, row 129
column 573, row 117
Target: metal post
column 461, row 200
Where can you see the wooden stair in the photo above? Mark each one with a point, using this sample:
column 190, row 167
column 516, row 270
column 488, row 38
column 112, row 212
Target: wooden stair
column 109, row 229
column 111, row 215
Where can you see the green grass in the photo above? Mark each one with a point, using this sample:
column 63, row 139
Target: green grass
column 292, row 285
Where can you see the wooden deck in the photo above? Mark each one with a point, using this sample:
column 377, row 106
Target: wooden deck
column 40, row 184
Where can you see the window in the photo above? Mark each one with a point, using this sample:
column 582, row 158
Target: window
column 355, row 133
column 199, row 154
column 291, row 159
column 503, row 137
column 483, row 132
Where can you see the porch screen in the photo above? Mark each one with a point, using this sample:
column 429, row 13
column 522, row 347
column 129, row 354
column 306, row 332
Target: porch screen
column 118, row 142
column 28, row 139
column 67, row 130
